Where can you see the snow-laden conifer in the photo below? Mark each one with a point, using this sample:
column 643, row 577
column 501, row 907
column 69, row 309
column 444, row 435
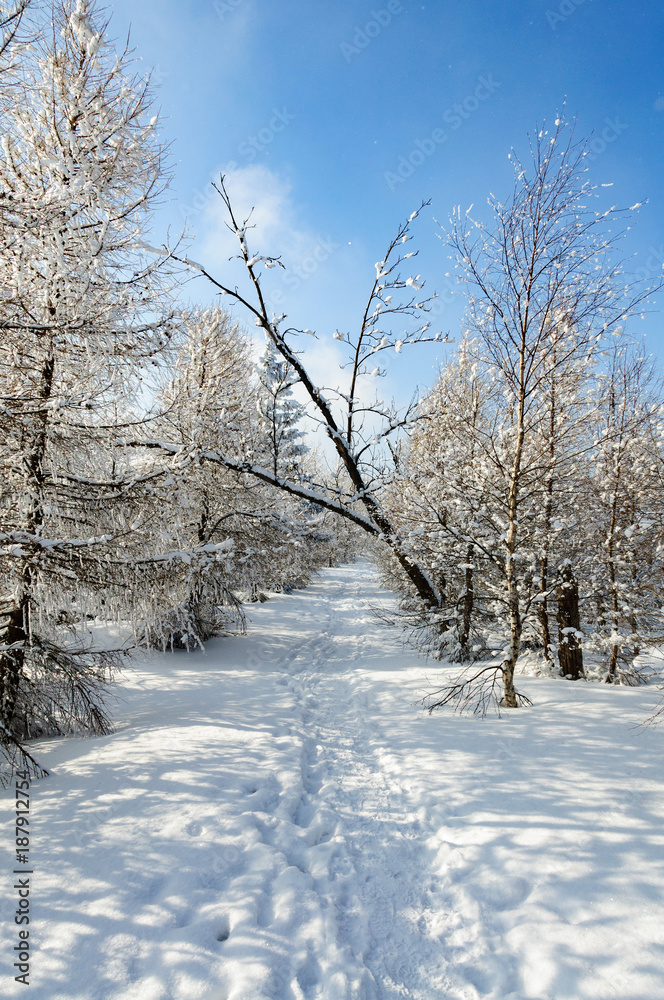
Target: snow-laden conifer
column 280, row 413
column 81, row 318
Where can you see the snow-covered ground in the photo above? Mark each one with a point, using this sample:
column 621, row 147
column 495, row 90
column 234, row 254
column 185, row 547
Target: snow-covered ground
column 276, row 818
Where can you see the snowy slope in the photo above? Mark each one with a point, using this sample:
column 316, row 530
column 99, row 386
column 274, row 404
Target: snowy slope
column 275, row 818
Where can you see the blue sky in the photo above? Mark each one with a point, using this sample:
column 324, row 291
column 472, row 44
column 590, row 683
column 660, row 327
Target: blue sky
column 315, row 106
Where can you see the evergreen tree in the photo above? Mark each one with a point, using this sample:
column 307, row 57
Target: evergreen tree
column 280, row 414
column 80, row 309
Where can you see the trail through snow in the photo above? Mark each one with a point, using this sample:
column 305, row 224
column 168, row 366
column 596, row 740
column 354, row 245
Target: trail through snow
column 276, row 818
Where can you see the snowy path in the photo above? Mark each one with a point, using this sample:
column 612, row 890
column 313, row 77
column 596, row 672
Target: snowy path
column 276, row 819
column 373, row 876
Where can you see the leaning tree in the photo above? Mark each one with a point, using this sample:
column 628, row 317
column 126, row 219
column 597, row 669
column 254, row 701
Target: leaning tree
column 356, row 429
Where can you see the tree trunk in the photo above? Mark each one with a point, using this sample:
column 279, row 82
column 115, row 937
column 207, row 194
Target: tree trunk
column 16, row 630
column 417, row 576
column 468, row 604
column 513, row 596
column 515, row 645
column 610, row 541
column 570, row 654
column 615, row 603
column 542, row 609
column 14, row 634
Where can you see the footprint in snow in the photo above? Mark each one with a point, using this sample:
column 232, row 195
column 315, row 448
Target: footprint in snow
column 223, row 930
column 194, row 828
column 306, row 983
column 499, row 892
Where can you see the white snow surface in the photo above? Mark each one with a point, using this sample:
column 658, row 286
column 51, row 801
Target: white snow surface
column 277, row 818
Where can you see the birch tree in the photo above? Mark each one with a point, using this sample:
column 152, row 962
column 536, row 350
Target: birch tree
column 545, row 262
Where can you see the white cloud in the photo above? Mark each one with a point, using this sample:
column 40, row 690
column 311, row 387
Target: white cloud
column 264, row 196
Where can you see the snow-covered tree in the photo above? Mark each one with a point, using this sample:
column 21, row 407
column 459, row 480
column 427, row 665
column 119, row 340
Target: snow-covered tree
column 451, row 493
column 492, row 493
column 623, row 566
column 356, row 430
column 189, row 550
column 439, row 500
column 12, row 17
column 590, row 534
column 281, row 414
column 229, row 537
column 80, row 311
column 543, row 269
